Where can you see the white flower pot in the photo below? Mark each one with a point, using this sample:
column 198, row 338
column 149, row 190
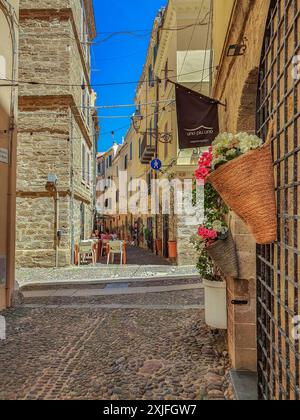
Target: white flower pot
column 215, row 304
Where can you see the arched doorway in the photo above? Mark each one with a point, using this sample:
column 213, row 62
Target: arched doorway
column 278, row 265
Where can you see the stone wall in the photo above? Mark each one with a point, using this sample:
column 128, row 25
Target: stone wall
column 236, row 84
column 51, row 132
column 36, row 231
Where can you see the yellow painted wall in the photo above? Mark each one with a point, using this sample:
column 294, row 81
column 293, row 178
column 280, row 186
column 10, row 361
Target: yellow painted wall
column 7, row 171
column 222, row 10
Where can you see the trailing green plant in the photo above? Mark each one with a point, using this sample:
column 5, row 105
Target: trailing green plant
column 147, row 234
column 214, row 226
column 205, row 265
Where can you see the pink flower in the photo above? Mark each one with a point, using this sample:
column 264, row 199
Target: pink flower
column 201, row 173
column 207, row 234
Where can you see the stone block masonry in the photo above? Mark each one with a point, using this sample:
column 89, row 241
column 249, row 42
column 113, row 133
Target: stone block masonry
column 52, row 133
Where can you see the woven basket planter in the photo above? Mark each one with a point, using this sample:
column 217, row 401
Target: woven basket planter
column 224, row 255
column 246, row 184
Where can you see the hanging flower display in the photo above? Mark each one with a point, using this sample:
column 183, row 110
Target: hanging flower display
column 242, row 173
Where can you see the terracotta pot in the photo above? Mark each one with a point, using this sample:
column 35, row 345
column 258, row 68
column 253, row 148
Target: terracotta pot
column 76, row 252
column 172, row 245
column 158, row 244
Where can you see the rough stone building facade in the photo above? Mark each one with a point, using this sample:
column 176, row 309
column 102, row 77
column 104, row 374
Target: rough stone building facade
column 57, row 131
column 260, row 84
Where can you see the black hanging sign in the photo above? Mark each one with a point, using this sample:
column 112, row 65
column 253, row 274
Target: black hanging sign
column 198, row 119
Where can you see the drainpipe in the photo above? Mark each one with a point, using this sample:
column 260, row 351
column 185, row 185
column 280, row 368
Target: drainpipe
column 72, row 194
column 9, row 13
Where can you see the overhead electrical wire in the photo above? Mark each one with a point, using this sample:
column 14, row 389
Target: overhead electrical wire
column 82, row 86
column 138, row 33
column 32, row 132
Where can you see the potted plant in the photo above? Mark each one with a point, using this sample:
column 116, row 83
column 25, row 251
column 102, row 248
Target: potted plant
column 241, row 170
column 172, row 247
column 214, row 287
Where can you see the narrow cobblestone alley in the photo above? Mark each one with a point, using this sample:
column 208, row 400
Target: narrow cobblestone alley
column 102, row 343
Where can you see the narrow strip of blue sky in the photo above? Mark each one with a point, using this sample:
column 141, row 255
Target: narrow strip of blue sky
column 120, row 58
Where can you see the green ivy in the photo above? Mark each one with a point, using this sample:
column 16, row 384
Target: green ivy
column 215, row 209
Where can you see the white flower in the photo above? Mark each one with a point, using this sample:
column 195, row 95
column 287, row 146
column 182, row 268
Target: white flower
column 223, row 139
column 217, row 225
column 248, row 142
column 231, row 153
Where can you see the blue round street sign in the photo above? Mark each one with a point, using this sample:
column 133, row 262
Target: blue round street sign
column 156, row 164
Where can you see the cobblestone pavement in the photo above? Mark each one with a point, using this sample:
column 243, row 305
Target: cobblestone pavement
column 81, row 351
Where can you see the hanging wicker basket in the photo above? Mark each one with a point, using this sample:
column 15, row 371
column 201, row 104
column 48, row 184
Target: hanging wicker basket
column 224, row 255
column 246, row 184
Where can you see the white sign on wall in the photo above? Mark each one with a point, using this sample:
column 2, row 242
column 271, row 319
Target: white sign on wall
column 3, row 155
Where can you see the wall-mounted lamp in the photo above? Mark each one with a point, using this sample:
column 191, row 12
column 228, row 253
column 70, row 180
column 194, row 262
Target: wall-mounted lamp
column 51, row 184
column 236, row 50
column 137, row 119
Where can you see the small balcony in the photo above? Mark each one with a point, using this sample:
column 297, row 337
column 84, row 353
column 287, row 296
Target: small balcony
column 147, row 149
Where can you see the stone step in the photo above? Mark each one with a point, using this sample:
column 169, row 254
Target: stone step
column 108, row 291
column 112, row 283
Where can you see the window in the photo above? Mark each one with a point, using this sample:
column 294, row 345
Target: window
column 99, row 168
column 140, row 148
column 82, row 221
column 155, row 51
column 166, row 74
column 131, row 151
column 150, row 76
column 150, row 130
column 110, row 161
column 83, row 98
column 126, row 163
column 88, row 111
column 149, row 179
column 85, row 34
column 88, row 178
column 166, row 144
column 156, row 117
column 83, row 169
